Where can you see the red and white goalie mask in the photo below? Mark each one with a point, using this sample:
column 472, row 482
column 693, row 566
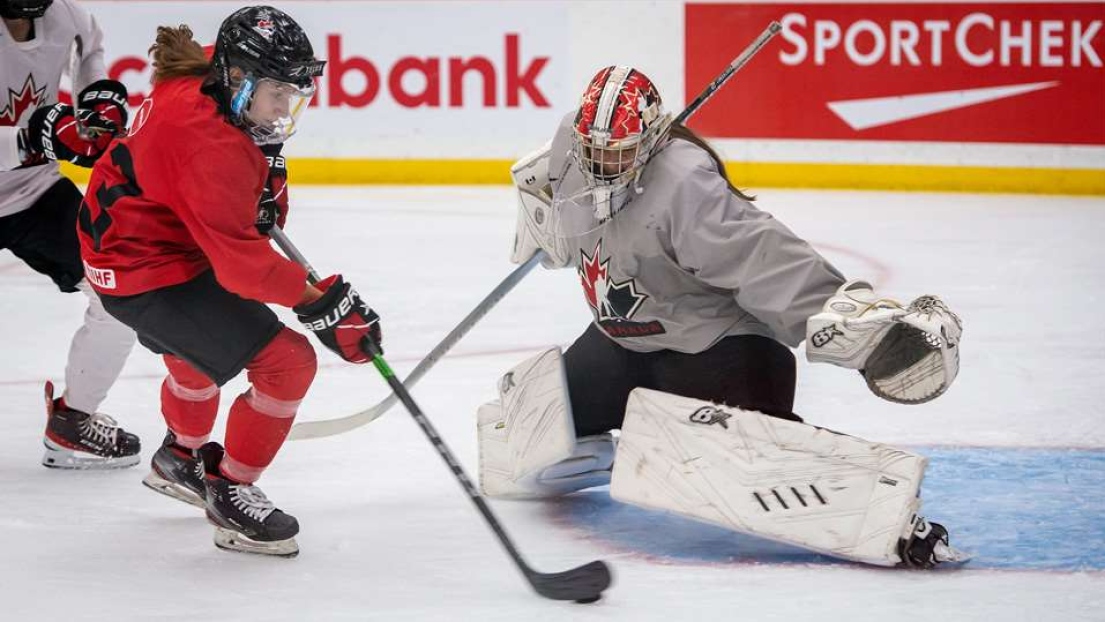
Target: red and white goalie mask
column 619, row 124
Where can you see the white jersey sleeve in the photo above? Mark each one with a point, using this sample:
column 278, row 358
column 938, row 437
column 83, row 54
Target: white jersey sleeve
column 86, row 63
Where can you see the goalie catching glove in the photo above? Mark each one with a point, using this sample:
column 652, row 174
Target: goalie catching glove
column 907, row 355
column 341, row 320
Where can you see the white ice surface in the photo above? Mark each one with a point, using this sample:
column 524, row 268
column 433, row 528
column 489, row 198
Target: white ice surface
column 387, row 533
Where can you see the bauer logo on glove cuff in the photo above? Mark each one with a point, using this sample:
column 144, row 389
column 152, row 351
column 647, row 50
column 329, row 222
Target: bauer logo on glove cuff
column 708, row 415
column 331, row 319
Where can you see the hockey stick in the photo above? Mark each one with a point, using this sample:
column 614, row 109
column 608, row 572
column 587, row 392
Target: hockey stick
column 330, row 427
column 583, row 584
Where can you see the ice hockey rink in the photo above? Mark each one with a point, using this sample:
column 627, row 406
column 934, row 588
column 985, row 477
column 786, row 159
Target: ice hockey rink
column 1017, row 444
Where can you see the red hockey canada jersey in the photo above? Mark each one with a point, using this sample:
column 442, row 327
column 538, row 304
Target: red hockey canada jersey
column 178, row 196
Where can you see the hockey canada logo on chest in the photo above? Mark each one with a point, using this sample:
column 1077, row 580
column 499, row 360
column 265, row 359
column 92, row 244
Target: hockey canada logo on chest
column 613, row 302
column 27, row 98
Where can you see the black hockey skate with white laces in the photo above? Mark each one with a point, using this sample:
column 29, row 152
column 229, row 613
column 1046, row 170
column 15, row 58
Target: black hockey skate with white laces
column 245, row 520
column 78, row 440
column 928, row 546
column 175, row 472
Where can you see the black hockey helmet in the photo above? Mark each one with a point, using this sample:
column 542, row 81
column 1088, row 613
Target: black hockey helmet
column 273, row 55
column 24, row 9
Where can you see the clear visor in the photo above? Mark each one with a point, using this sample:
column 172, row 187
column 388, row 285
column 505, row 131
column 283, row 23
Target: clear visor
column 578, row 215
column 270, row 109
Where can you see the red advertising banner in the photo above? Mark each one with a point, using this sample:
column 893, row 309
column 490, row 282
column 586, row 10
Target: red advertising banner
column 970, row 72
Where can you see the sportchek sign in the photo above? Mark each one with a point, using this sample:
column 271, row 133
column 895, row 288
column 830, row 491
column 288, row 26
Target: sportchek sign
column 974, row 72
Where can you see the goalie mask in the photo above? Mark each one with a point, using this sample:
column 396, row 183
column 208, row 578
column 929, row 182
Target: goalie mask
column 620, row 122
column 24, row 9
column 265, row 60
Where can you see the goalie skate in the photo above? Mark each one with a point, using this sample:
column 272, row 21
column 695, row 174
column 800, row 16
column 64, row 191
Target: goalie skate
column 78, row 440
column 244, row 518
column 928, row 547
column 175, row 473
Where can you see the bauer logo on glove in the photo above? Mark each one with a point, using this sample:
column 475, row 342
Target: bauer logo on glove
column 341, row 320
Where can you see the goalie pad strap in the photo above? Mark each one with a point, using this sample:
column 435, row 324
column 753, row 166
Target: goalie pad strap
column 777, row 479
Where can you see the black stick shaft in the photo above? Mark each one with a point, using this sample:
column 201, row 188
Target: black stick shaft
column 740, row 61
column 537, row 580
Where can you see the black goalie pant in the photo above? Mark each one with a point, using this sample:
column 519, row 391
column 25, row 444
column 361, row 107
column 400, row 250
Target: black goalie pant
column 746, row 371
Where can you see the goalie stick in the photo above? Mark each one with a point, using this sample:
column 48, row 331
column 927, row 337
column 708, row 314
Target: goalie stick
column 330, row 427
column 583, row 584
column 340, row 425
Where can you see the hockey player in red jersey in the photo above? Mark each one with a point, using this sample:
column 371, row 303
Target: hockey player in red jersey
column 39, row 40
column 173, row 237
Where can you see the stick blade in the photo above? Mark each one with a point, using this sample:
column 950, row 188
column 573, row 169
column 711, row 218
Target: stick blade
column 583, row 584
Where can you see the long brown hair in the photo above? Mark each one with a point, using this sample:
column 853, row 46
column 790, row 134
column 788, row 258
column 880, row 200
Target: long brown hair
column 175, row 54
column 682, row 132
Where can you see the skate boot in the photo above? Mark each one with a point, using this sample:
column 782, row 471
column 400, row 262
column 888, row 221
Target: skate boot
column 928, row 546
column 176, row 473
column 78, row 440
column 245, row 520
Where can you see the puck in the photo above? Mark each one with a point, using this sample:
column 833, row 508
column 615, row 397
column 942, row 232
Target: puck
column 589, row 599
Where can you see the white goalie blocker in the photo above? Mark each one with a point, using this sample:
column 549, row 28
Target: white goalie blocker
column 768, row 477
column 907, row 355
column 527, row 441
column 536, row 228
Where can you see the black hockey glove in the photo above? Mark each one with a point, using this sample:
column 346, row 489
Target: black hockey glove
column 341, row 320
column 102, row 108
column 273, row 206
column 53, row 133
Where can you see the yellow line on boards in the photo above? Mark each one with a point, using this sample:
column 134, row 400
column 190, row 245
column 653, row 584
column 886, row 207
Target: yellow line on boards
column 748, row 175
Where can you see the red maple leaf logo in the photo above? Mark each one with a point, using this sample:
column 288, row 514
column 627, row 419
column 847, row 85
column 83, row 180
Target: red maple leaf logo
column 593, row 273
column 28, row 98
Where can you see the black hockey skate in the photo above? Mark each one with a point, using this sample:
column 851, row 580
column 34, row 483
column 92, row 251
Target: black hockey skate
column 78, row 440
column 176, row 473
column 928, row 546
column 245, row 520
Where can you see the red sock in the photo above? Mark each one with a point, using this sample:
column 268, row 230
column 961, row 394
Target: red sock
column 261, row 417
column 189, row 403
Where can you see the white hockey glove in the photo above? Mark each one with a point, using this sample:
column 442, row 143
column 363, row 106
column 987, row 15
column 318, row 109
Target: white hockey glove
column 536, row 226
column 907, row 355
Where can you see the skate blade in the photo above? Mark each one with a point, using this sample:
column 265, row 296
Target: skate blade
column 948, row 555
column 155, row 482
column 58, row 457
column 229, row 540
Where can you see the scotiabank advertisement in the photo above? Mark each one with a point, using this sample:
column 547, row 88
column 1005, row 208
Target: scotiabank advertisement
column 1029, row 73
column 403, row 79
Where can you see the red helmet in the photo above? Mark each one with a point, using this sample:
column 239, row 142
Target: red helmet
column 620, row 121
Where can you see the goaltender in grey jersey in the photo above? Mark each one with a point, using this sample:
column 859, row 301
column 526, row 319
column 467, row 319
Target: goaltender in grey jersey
column 696, row 295
column 686, row 262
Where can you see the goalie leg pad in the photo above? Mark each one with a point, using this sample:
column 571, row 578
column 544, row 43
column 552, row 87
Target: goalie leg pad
column 777, row 479
column 528, row 447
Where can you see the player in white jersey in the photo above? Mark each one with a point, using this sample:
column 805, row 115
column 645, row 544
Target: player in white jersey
column 696, row 295
column 39, row 41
